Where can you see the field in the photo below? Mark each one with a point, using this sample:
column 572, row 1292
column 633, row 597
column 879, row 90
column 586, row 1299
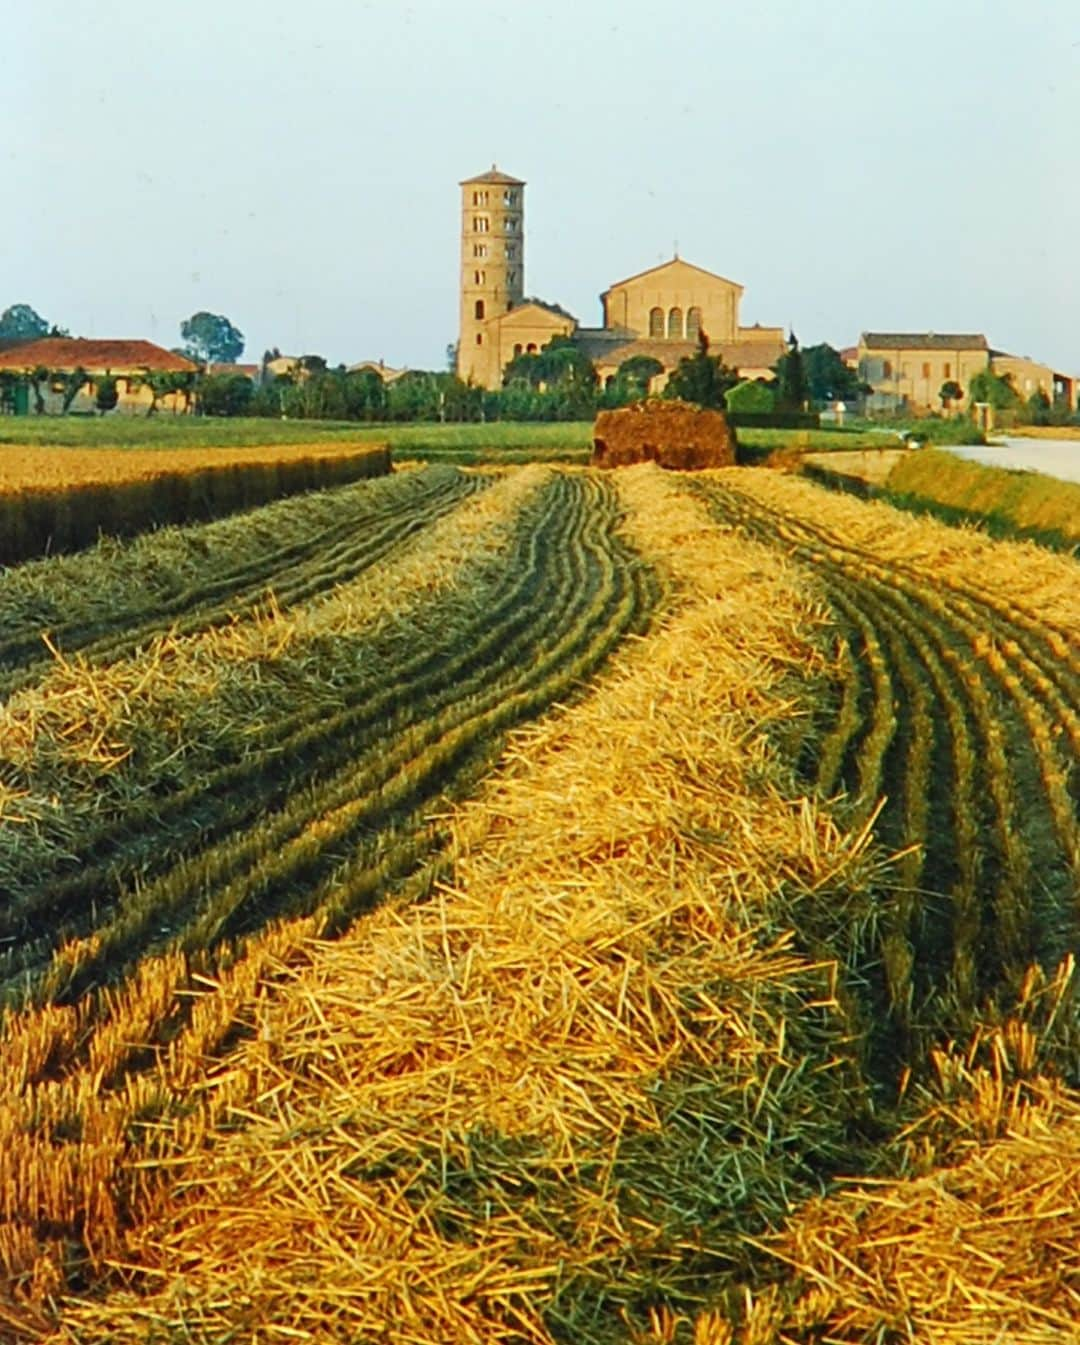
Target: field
column 534, row 905
column 171, row 432
column 56, row 499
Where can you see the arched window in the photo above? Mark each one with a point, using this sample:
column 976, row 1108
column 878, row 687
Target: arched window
column 479, row 338
column 479, row 308
column 674, row 324
column 530, row 349
column 693, row 323
column 517, row 349
column 656, row 322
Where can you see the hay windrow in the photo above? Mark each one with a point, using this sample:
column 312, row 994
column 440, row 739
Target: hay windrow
column 1016, row 572
column 83, row 739
column 548, row 1097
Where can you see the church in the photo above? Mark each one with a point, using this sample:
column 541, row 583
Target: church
column 657, row 313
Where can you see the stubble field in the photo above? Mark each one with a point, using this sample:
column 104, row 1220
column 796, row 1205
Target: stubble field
column 537, row 905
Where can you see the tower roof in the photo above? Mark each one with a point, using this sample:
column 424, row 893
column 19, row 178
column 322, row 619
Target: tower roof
column 500, row 179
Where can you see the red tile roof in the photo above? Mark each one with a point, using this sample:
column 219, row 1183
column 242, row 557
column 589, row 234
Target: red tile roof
column 66, row 353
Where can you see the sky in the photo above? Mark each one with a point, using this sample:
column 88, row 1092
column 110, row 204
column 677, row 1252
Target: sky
column 295, row 167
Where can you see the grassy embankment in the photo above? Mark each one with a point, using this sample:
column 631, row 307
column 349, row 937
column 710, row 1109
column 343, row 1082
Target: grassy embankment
column 1007, row 503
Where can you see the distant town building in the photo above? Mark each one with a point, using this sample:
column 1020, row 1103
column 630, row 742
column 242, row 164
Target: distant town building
column 384, row 371
column 1029, row 376
column 130, row 363
column 658, row 312
column 907, row 370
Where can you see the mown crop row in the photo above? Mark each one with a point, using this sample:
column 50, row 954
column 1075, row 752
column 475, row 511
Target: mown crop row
column 106, row 602
column 56, row 500
column 957, row 715
column 293, row 805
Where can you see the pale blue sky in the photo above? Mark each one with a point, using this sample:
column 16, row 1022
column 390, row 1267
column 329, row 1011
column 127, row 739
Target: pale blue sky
column 857, row 165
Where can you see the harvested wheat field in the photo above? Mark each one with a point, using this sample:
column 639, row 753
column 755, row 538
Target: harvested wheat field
column 58, row 499
column 542, row 906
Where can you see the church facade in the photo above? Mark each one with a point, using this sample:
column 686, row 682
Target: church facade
column 657, row 313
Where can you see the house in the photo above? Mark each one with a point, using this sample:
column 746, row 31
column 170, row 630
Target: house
column 131, row 363
column 252, row 371
column 1028, row 377
column 384, row 371
column 657, row 312
column 906, row 370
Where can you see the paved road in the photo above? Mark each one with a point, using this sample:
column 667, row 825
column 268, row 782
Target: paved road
column 1053, row 457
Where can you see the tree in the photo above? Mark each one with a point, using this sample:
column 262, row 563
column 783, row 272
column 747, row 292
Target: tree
column 211, row 338
column 828, row 378
column 107, row 394
column 72, row 383
column 701, row 378
column 951, row 391
column 634, row 377
column 1037, row 408
column 21, row 323
column 997, row 389
column 558, row 383
column 791, row 390
column 225, row 394
column 39, row 376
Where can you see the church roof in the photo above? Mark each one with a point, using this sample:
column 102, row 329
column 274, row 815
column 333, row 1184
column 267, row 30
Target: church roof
column 500, row 179
column 663, row 266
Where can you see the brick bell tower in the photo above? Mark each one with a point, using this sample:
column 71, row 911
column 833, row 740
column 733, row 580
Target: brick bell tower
column 492, row 268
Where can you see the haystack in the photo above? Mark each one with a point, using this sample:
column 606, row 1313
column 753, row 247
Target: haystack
column 677, row 435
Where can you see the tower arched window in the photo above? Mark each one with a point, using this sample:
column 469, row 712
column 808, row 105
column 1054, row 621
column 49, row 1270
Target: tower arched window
column 693, row 323
column 479, row 312
column 674, row 324
column 656, row 322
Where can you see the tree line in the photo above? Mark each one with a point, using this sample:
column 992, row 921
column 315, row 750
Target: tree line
column 557, row 383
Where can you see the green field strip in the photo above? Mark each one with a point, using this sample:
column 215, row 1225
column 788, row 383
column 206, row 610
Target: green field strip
column 376, row 517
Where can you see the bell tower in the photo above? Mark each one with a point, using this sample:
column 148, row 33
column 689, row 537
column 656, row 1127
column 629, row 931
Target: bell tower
column 492, row 268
